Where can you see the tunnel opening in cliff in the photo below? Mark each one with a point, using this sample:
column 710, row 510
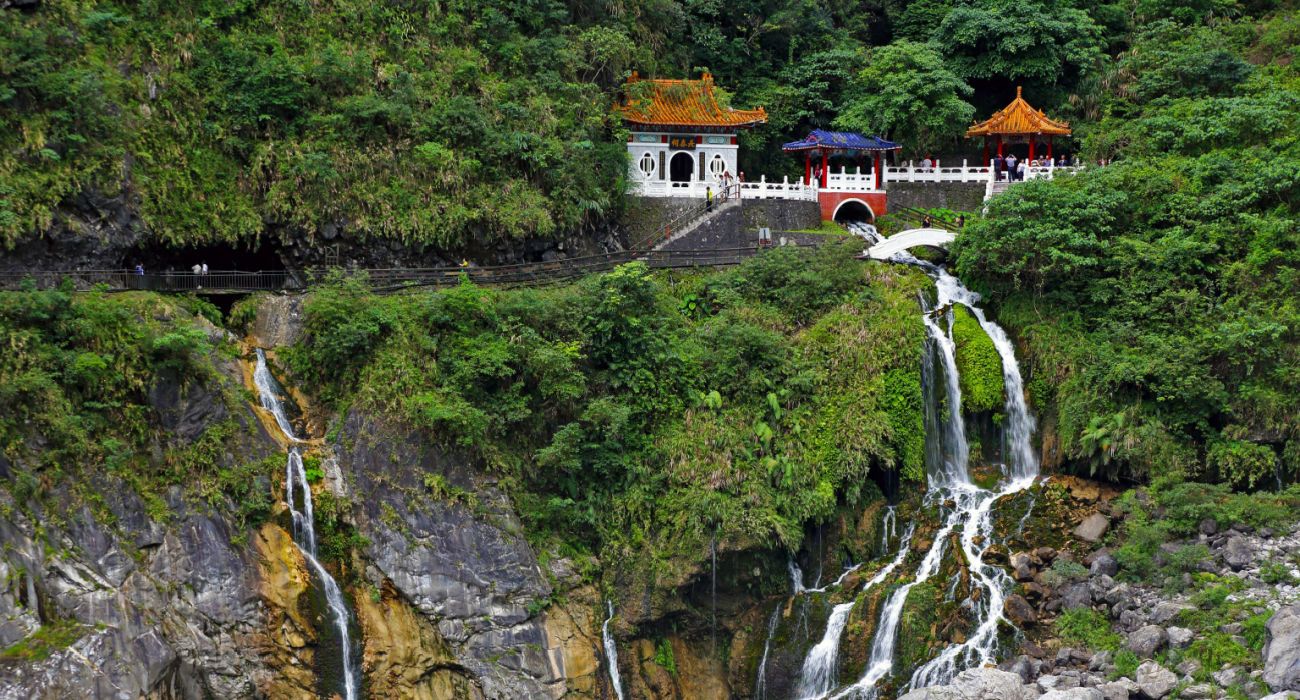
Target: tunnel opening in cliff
column 260, row 255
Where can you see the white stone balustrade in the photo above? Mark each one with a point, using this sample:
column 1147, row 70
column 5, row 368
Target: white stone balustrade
column 841, row 180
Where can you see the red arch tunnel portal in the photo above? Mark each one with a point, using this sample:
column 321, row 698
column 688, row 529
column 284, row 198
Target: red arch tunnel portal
column 845, row 196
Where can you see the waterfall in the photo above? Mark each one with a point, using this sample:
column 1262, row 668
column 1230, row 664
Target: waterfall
column 888, row 527
column 947, row 455
column 304, row 524
column 817, row 676
column 796, row 578
column 760, row 683
column 611, row 653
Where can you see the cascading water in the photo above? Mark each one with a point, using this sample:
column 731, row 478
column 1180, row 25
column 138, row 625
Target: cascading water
column 611, row 653
column 970, row 514
column 304, row 526
column 888, row 527
column 817, row 676
column 760, row 683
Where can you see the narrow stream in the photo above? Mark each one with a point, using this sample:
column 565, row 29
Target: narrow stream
column 304, row 523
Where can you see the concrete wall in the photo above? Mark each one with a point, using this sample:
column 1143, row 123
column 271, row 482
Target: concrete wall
column 958, row 196
column 729, row 229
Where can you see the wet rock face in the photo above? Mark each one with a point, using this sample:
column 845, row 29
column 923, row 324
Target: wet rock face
column 469, row 571
column 186, row 620
column 279, row 321
column 161, row 608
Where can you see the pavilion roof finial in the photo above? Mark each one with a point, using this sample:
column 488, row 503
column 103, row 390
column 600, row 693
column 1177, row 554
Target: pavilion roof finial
column 1019, row 91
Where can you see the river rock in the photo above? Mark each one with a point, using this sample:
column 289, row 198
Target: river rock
column 1165, row 612
column 1104, row 565
column 1075, row 595
column 1227, row 677
column 1180, row 637
column 1118, row 690
column 1155, row 680
column 1282, row 651
column 1019, row 611
column 1022, row 567
column 1237, row 553
column 1073, row 694
column 1147, row 641
column 1199, row 691
column 1092, row 528
column 1285, row 695
column 977, row 684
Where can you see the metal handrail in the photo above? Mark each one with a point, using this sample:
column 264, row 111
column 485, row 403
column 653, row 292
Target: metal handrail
column 683, row 219
column 919, row 216
column 380, row 279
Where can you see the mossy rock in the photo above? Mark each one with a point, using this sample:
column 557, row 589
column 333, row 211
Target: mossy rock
column 917, row 625
column 982, row 388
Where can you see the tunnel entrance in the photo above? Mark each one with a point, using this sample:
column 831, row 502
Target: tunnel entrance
column 854, row 211
column 263, row 255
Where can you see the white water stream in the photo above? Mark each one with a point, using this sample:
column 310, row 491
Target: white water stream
column 817, row 677
column 304, row 524
column 964, row 507
column 611, row 653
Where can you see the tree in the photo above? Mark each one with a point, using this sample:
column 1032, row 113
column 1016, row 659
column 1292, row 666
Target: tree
column 907, row 94
column 1040, row 42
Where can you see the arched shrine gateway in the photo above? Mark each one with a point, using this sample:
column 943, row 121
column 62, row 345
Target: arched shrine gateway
column 684, row 144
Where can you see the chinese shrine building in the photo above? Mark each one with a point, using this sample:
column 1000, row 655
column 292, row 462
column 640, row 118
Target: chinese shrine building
column 1018, row 122
column 682, row 140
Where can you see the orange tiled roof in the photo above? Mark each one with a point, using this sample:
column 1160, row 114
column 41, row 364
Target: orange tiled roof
column 1019, row 118
column 684, row 103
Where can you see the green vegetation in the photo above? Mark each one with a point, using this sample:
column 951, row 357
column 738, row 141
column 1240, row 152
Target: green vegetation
column 46, row 640
column 1155, row 296
column 978, row 363
column 664, row 657
column 917, row 623
column 1171, row 509
column 1085, row 627
column 634, row 413
column 471, row 125
column 85, row 384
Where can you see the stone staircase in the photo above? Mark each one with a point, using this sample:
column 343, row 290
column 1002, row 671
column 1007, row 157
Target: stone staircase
column 689, row 227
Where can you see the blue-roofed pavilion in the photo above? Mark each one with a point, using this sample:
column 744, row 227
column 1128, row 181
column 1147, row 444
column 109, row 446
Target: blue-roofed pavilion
column 828, row 143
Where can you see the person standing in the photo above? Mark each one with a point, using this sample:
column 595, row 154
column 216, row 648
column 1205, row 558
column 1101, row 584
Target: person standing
column 708, row 199
column 1011, row 167
column 1020, row 171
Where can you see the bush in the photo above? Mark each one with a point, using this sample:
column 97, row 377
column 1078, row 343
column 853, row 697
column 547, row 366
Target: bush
column 1088, row 628
column 1126, row 663
column 979, row 364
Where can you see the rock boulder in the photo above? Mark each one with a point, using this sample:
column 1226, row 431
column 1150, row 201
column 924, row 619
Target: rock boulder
column 1155, row 680
column 1093, row 528
column 1147, row 641
column 1282, row 651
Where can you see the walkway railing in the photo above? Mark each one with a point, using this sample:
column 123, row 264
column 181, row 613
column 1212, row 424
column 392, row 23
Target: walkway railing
column 686, row 218
column 391, row 279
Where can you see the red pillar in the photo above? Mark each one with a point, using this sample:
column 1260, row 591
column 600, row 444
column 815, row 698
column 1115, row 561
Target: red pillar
column 1031, row 147
column 807, row 167
column 826, row 176
column 999, row 144
column 876, row 168
column 1049, row 146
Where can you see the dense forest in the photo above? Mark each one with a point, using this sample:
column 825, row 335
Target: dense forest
column 460, row 124
column 651, row 440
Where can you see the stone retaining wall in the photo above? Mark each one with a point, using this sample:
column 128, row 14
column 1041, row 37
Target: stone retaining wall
column 958, row 196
